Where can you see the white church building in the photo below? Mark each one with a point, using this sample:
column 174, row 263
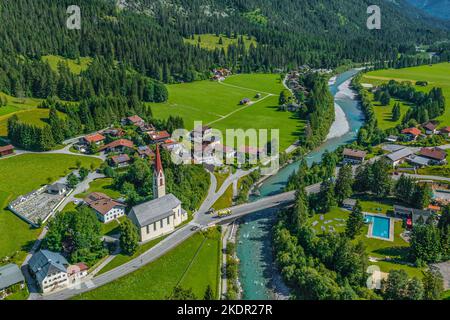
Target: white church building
column 163, row 214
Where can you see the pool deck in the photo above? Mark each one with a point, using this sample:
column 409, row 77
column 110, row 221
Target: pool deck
column 391, row 226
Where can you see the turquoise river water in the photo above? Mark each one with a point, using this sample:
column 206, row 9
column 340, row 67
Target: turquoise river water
column 257, row 273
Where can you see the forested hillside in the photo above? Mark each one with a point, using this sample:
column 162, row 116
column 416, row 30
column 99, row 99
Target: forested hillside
column 438, row 8
column 146, row 36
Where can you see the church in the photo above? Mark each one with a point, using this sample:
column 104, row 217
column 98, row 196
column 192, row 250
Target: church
column 163, row 214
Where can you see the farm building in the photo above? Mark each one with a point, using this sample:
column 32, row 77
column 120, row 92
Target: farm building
column 6, row 150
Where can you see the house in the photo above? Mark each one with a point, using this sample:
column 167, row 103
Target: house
column 57, row 188
column 6, row 150
column 95, row 138
column 445, row 131
column 105, row 208
column 437, row 156
column 134, row 120
column 77, row 272
column 146, row 127
column 201, row 132
column 418, row 161
column 244, row 101
column 121, row 160
column 412, row 215
column 430, row 127
column 353, row 156
column 121, row 145
column 158, row 136
column 399, row 156
column 11, row 279
column 158, row 217
column 114, row 132
column 411, row 133
column 145, row 152
column 349, row 204
column 392, row 138
column 49, row 269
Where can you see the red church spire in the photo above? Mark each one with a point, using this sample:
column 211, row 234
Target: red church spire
column 158, row 164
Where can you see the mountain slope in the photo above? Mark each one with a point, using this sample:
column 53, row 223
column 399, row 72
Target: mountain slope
column 437, row 8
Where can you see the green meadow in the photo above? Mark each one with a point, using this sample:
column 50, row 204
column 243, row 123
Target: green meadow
column 194, row 264
column 211, row 41
column 75, row 66
column 217, row 104
column 20, row 175
column 437, row 75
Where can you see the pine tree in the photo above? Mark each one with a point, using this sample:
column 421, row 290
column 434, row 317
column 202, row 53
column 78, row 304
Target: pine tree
column 344, row 183
column 355, row 221
column 396, row 112
column 209, row 294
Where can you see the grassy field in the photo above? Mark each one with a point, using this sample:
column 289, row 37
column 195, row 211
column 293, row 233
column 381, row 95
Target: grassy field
column 75, row 66
column 437, row 75
column 217, row 104
column 37, row 117
column 193, row 264
column 20, row 175
column 226, row 200
column 103, row 186
column 211, row 41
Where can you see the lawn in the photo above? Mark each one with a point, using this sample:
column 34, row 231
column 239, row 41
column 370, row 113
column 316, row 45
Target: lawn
column 75, row 66
column 217, row 104
column 37, row 117
column 437, row 75
column 211, row 41
column 20, row 175
column 380, row 249
column 193, row 264
column 101, row 185
column 226, row 200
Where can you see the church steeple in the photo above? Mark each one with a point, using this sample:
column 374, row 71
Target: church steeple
column 159, row 181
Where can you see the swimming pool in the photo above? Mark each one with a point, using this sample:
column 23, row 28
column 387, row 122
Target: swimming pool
column 380, row 226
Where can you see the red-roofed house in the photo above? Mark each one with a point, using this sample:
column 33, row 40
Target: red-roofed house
column 77, row 271
column 438, row 156
column 412, row 133
column 121, row 160
column 120, row 145
column 95, row 138
column 158, row 136
column 445, row 131
column 105, row 208
column 134, row 120
column 6, row 150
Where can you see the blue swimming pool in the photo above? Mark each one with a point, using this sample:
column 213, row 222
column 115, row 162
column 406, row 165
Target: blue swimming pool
column 381, row 226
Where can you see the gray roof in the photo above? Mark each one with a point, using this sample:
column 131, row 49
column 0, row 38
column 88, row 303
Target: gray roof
column 419, row 160
column 350, row 202
column 46, row 262
column 400, row 154
column 57, row 187
column 155, row 210
column 10, row 275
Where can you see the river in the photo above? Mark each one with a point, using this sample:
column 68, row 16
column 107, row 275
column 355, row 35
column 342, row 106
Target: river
column 257, row 272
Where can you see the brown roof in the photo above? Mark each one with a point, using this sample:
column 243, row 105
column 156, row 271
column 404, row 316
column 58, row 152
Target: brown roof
column 159, row 135
column 6, row 148
column 119, row 143
column 433, row 153
column 121, row 158
column 413, row 131
column 430, row 126
column 145, row 151
column 96, row 137
column 101, row 203
column 354, row 153
column 445, row 130
column 135, row 119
